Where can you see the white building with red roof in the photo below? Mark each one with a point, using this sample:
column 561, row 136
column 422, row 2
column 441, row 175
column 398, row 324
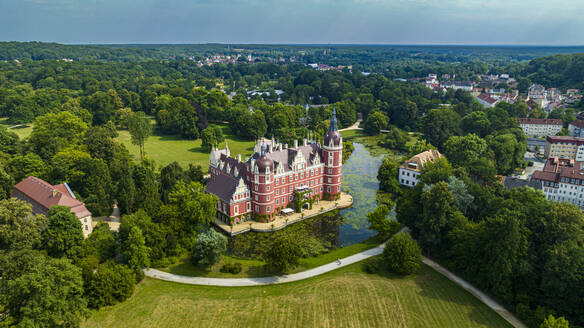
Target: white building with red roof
column 540, row 127
column 486, row 100
column 562, row 181
column 41, row 195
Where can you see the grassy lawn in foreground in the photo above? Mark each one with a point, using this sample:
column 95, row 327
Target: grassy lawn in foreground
column 255, row 268
column 346, row 297
column 166, row 149
column 22, row 132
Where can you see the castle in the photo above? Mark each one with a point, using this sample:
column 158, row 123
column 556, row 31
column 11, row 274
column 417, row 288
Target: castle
column 276, row 177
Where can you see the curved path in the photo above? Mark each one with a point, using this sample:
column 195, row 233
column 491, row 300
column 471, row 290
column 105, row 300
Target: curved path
column 242, row 282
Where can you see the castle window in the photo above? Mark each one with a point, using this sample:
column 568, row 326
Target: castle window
column 267, row 209
column 256, row 187
column 267, row 198
column 277, row 201
column 268, row 188
column 248, row 206
column 277, row 191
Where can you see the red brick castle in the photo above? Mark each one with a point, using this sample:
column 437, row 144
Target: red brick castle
column 276, row 177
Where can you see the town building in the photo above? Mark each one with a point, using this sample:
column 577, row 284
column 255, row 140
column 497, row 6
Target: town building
column 540, row 127
column 576, row 128
column 562, row 181
column 276, row 177
column 42, row 196
column 564, row 147
column 486, row 100
column 409, row 172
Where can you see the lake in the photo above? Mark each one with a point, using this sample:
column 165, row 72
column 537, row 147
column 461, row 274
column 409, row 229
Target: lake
column 359, row 180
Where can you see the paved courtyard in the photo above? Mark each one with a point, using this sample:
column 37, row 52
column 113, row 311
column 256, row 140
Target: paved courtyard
column 281, row 221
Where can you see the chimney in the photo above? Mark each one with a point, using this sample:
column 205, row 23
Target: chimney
column 285, row 146
column 305, row 141
column 295, row 143
column 55, row 191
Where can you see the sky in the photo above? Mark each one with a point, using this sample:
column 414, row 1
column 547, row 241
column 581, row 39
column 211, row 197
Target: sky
column 525, row 22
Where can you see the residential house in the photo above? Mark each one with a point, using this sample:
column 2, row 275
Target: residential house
column 42, row 196
column 409, row 172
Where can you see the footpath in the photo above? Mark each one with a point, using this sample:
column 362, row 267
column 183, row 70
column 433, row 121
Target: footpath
column 260, row 281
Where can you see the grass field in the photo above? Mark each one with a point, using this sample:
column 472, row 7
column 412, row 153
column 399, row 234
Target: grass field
column 255, row 268
column 346, row 297
column 22, row 132
column 166, row 149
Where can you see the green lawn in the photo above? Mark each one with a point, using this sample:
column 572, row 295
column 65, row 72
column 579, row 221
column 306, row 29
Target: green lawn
column 255, row 268
column 166, row 149
column 22, row 132
column 346, row 297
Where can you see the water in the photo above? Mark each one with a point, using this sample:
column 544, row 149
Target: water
column 359, row 180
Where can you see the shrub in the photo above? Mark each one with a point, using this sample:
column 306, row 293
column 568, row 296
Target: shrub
column 372, row 267
column 402, row 254
column 233, row 268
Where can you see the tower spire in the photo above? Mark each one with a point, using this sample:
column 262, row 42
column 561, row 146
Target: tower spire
column 333, row 125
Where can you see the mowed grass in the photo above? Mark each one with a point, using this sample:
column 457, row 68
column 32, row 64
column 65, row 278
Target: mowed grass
column 255, row 267
column 165, row 149
column 22, row 131
column 346, row 297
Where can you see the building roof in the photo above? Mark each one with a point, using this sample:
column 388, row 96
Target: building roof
column 578, row 123
column 47, row 195
column 487, row 98
column 416, row 163
column 556, row 168
column 532, row 120
column 512, row 183
column 565, row 139
column 223, row 186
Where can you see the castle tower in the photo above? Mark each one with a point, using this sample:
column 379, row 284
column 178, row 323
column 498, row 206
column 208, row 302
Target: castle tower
column 263, row 181
column 332, row 151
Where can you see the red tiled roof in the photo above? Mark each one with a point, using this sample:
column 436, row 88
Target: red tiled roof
column 578, row 123
column 556, row 168
column 48, row 195
column 485, row 97
column 532, row 120
column 565, row 139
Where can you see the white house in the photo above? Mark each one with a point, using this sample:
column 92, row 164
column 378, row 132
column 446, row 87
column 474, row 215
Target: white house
column 409, row 172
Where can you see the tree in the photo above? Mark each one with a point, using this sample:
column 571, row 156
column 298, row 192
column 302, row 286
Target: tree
column 387, row 175
column 22, row 166
column 9, row 142
column 39, row 291
column 420, row 146
column 375, row 122
column 440, row 125
column 140, row 129
column 169, row 176
column 209, row 247
column 54, row 132
column 508, row 152
column 436, row 171
column 19, row 228
column 64, row 235
column 462, row 198
column 103, row 105
column 211, row 136
column 552, row 322
column 283, row 255
column 6, row 183
column 395, row 139
column 101, row 242
column 137, row 253
column 402, row 254
column 461, row 151
column 379, row 222
column 477, row 123
column 110, row 284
